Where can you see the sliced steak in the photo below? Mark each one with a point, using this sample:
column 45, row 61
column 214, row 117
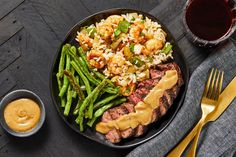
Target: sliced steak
column 172, row 66
column 168, row 98
column 135, row 98
column 140, row 130
column 156, row 74
column 129, row 107
column 127, row 133
column 143, row 92
column 113, row 136
column 106, row 117
column 143, row 89
column 116, row 112
column 149, row 84
column 156, row 114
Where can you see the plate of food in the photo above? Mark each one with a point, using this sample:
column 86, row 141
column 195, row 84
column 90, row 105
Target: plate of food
column 119, row 77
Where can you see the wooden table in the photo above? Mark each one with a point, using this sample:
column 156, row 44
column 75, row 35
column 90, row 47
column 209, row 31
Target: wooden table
column 31, row 32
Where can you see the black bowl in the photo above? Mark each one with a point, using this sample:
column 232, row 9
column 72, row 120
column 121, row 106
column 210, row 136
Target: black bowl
column 154, row 129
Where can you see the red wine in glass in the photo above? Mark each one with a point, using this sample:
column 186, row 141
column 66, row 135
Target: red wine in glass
column 209, row 22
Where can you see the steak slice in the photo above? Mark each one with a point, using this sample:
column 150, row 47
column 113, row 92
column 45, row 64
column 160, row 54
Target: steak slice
column 156, row 74
column 113, row 114
column 149, row 84
column 172, row 66
column 135, row 98
column 113, row 136
column 127, row 133
column 118, row 112
column 140, row 130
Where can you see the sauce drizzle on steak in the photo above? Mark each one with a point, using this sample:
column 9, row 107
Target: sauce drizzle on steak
column 143, row 89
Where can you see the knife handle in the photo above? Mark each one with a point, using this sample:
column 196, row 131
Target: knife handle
column 179, row 149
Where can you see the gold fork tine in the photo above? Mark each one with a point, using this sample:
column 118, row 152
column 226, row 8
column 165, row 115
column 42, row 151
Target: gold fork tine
column 217, row 85
column 211, row 88
column 221, row 81
column 206, row 90
column 220, row 84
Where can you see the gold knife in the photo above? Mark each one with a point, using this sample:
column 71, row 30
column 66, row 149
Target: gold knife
column 226, row 97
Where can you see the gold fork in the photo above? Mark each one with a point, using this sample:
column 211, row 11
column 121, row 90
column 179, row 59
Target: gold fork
column 208, row 104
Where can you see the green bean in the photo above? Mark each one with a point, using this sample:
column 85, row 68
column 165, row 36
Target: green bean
column 59, row 75
column 90, row 98
column 91, row 108
column 77, row 81
column 101, row 110
column 83, row 56
column 73, row 50
column 85, row 80
column 69, row 101
column 62, row 61
column 59, row 81
column 76, row 110
column 63, row 102
column 112, row 90
column 101, row 76
column 84, row 69
column 74, row 84
column 81, row 124
column 65, row 79
column 105, row 101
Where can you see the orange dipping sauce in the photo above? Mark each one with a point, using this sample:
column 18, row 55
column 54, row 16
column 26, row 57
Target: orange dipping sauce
column 22, row 115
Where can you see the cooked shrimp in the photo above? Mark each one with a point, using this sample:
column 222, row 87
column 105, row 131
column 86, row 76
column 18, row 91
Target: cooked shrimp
column 116, row 64
column 114, row 19
column 154, row 45
column 105, row 30
column 96, row 59
column 84, row 39
column 135, row 31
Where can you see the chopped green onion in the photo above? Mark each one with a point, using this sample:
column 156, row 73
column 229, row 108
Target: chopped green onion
column 117, row 32
column 137, row 61
column 131, row 47
column 91, row 31
column 167, row 48
column 142, row 34
column 123, row 26
column 133, row 19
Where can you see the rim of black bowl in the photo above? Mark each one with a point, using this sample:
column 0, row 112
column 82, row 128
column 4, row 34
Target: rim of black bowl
column 17, row 94
column 180, row 102
column 202, row 42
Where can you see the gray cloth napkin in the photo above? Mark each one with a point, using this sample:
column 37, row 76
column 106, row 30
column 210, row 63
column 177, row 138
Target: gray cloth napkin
column 217, row 138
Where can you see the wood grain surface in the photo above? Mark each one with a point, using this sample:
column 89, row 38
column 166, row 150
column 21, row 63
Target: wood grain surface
column 31, row 32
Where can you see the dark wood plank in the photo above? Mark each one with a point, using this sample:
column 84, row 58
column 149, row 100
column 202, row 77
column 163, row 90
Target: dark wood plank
column 9, row 26
column 7, row 6
column 148, row 5
column 7, row 82
column 60, row 15
column 168, row 10
column 9, row 53
column 37, row 27
column 176, row 27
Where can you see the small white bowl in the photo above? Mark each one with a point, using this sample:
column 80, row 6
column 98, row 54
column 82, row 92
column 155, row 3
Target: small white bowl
column 17, row 94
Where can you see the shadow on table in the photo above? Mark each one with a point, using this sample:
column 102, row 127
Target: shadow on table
column 87, row 147
column 27, row 144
